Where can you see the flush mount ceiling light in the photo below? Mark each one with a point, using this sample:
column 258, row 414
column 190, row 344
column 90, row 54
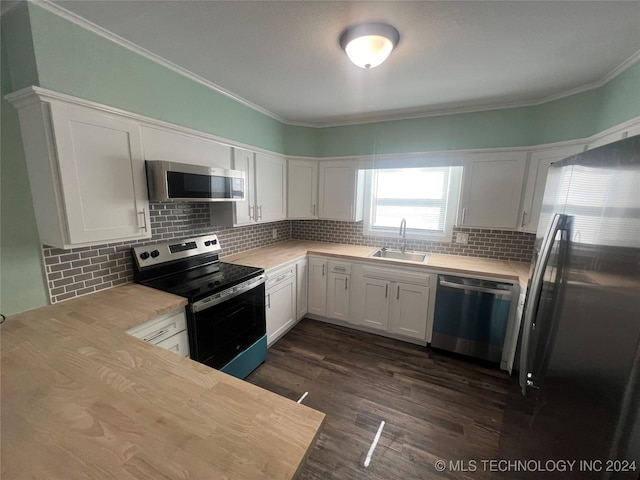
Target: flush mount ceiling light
column 369, row 44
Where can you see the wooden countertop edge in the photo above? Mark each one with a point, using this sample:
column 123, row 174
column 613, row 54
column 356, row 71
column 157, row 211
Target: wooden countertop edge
column 99, row 312
column 313, row 442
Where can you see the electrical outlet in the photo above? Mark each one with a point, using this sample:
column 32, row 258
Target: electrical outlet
column 462, row 238
column 275, row 233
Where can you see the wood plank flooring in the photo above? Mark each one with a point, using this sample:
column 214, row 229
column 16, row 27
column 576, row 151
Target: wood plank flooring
column 436, row 406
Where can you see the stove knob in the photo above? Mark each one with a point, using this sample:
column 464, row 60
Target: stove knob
column 207, row 243
column 144, row 255
column 214, row 241
column 155, row 253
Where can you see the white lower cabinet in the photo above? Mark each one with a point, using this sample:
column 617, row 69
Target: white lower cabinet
column 375, row 311
column 302, row 288
column 409, row 310
column 317, row 297
column 168, row 331
column 338, row 291
column 396, row 301
column 280, row 302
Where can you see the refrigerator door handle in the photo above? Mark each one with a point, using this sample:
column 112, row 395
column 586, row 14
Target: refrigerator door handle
column 535, row 290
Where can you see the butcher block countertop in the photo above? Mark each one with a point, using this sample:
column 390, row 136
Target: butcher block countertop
column 290, row 250
column 82, row 399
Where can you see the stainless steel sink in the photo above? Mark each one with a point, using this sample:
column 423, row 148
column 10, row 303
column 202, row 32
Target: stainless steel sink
column 390, row 254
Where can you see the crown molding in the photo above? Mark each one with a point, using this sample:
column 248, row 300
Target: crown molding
column 123, row 42
column 365, row 119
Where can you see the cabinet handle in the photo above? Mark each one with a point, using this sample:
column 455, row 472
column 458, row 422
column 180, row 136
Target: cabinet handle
column 259, row 212
column 398, row 294
column 281, row 277
column 524, row 214
column 251, row 211
column 268, row 300
column 346, row 282
column 340, row 269
column 386, row 290
column 159, row 333
column 464, row 214
column 314, row 209
column 144, row 217
column 323, row 269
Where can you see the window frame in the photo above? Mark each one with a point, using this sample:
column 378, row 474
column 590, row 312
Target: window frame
column 452, row 202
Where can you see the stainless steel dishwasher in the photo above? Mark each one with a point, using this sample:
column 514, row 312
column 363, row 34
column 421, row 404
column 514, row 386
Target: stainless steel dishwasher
column 471, row 316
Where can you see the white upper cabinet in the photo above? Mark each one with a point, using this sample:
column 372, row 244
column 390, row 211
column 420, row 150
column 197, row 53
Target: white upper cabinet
column 539, row 163
column 179, row 147
column 492, row 188
column 341, row 191
column 265, row 193
column 271, row 187
column 86, row 170
column 303, row 189
column 244, row 210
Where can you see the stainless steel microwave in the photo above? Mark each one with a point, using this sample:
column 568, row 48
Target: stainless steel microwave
column 180, row 182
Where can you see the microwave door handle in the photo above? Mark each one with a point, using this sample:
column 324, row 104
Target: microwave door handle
column 534, row 293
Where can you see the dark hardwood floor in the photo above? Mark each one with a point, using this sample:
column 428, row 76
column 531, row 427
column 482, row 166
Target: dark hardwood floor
column 436, row 406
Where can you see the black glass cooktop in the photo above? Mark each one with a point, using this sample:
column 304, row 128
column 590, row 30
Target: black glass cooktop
column 206, row 280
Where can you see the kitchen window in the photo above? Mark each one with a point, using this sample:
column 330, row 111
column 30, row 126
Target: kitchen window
column 427, row 197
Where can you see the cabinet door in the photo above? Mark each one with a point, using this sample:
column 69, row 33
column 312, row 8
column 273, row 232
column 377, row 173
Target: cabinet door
column 303, row 189
column 340, row 193
column 409, row 310
column 492, row 190
column 338, row 296
column 102, row 175
column 161, row 144
column 536, row 179
column 302, row 280
column 280, row 309
column 271, row 182
column 376, row 303
column 318, row 287
column 244, row 210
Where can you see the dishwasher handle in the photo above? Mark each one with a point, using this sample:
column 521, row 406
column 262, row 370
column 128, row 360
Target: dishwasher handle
column 474, row 288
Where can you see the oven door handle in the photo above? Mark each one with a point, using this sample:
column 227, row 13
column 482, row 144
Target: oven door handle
column 226, row 294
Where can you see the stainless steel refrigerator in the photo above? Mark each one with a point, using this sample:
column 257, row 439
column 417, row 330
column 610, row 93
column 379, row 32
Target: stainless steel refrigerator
column 580, row 350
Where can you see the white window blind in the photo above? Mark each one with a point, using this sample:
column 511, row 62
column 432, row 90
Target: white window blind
column 425, row 197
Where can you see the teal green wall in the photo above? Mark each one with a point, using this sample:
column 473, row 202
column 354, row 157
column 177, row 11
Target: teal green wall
column 40, row 48
column 22, row 282
column 74, row 61
column 620, row 99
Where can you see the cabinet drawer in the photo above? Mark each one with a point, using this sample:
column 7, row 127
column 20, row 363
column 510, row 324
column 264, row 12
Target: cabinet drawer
column 178, row 343
column 161, row 328
column 280, row 275
column 396, row 275
column 339, row 267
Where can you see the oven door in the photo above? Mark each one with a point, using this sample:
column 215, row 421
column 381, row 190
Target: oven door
column 223, row 331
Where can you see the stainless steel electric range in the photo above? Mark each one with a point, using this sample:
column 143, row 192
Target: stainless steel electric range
column 226, row 302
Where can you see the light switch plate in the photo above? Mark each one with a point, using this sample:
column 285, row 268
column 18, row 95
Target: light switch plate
column 462, row 237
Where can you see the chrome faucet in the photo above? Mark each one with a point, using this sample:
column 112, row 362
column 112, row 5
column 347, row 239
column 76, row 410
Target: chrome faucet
column 403, row 234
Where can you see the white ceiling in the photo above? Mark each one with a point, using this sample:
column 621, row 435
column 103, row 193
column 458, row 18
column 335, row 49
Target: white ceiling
column 284, row 56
